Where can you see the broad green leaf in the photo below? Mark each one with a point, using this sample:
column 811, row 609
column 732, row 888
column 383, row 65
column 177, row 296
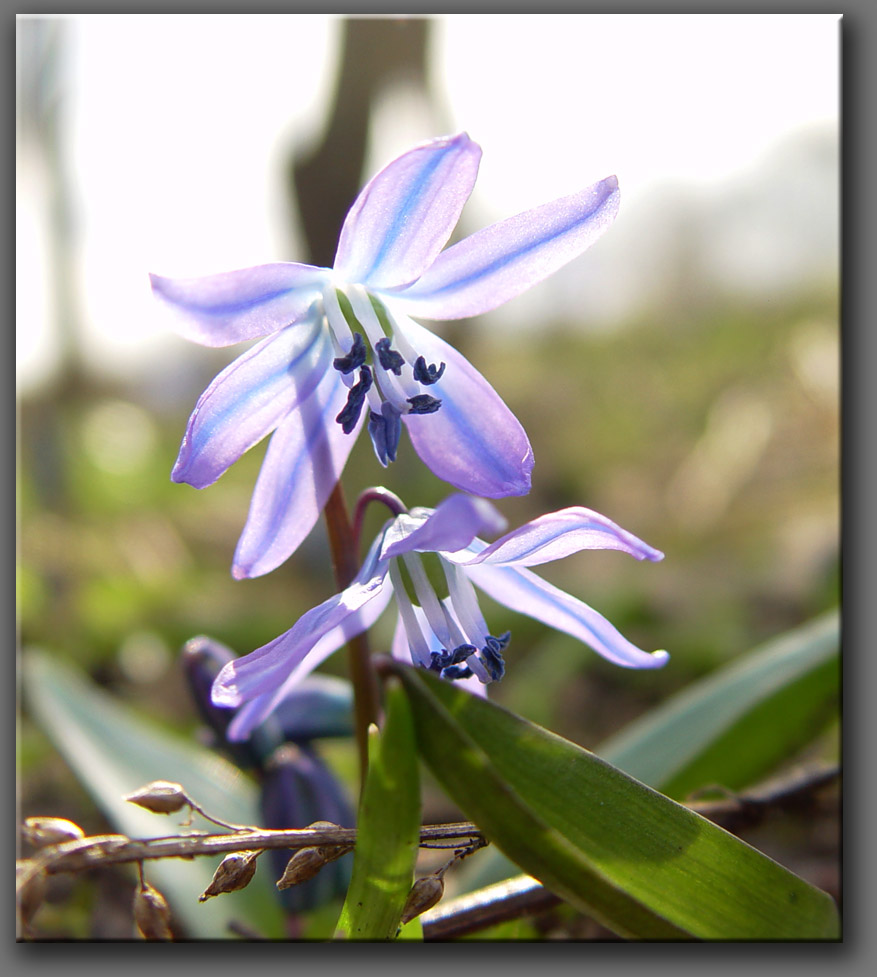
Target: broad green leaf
column 643, row 865
column 736, row 725
column 113, row 752
column 388, row 829
column 731, row 728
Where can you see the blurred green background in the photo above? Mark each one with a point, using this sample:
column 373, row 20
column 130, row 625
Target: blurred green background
column 703, row 417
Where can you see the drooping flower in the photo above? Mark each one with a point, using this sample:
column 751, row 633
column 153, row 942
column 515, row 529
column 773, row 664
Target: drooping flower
column 340, row 349
column 448, row 633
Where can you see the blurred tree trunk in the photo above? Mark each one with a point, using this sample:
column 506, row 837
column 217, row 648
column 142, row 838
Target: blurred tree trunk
column 375, row 53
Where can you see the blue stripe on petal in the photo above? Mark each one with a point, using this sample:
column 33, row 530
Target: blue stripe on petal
column 249, row 398
column 405, row 214
column 257, row 710
column 500, row 262
column 473, row 442
column 559, row 534
column 304, row 460
column 523, row 591
column 218, row 310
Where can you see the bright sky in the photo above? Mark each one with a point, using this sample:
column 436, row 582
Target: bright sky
column 176, row 125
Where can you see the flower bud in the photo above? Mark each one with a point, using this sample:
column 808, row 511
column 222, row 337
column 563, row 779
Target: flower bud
column 152, row 913
column 41, row 832
column 30, row 896
column 160, row 797
column 234, row 872
column 424, row 894
column 202, row 658
column 298, row 788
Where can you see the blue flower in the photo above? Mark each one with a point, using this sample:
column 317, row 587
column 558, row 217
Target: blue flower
column 448, row 633
column 340, row 349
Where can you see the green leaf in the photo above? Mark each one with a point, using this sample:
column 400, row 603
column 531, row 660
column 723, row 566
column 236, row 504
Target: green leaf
column 388, row 829
column 643, row 865
column 736, row 725
column 113, row 752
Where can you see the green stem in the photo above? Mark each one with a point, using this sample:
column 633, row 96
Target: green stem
column 366, row 704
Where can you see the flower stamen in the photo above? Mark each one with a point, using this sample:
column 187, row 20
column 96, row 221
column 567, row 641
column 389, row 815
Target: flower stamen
column 349, row 414
column 354, row 359
column 389, row 359
column 423, row 404
column 427, row 374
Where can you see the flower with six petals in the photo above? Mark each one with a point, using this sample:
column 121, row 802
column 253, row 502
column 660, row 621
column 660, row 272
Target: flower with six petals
column 339, row 349
column 446, row 634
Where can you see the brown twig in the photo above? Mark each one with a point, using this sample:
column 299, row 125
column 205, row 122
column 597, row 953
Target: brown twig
column 99, row 850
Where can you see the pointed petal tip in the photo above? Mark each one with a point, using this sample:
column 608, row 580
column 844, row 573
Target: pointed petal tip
column 224, row 691
column 256, row 567
column 659, row 658
column 520, row 483
column 180, row 475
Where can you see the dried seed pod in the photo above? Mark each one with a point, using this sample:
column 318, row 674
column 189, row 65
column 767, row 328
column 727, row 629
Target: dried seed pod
column 303, row 865
column 234, row 872
column 152, row 913
column 160, row 797
column 41, row 832
column 30, row 896
column 424, row 894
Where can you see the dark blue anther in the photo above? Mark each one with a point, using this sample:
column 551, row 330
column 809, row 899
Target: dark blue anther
column 427, row 374
column 385, row 429
column 461, row 653
column 389, row 358
column 491, row 655
column 355, row 398
column 444, row 661
column 424, row 404
column 354, row 359
column 457, row 671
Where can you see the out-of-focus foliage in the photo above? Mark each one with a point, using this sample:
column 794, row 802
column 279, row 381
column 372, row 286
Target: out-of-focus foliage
column 113, row 751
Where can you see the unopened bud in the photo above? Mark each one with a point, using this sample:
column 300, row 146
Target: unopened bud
column 41, row 832
column 152, row 913
column 160, row 797
column 30, row 895
column 424, row 894
column 234, row 872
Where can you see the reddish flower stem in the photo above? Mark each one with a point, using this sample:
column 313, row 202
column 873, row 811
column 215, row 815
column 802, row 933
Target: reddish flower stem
column 345, row 563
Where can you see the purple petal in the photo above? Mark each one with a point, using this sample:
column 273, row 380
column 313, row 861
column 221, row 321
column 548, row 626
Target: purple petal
column 522, row 591
column 494, row 265
column 219, row 310
column 304, row 460
column 264, row 670
column 473, row 442
column 257, row 710
column 404, row 216
column 249, row 398
column 559, row 534
column 451, row 526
